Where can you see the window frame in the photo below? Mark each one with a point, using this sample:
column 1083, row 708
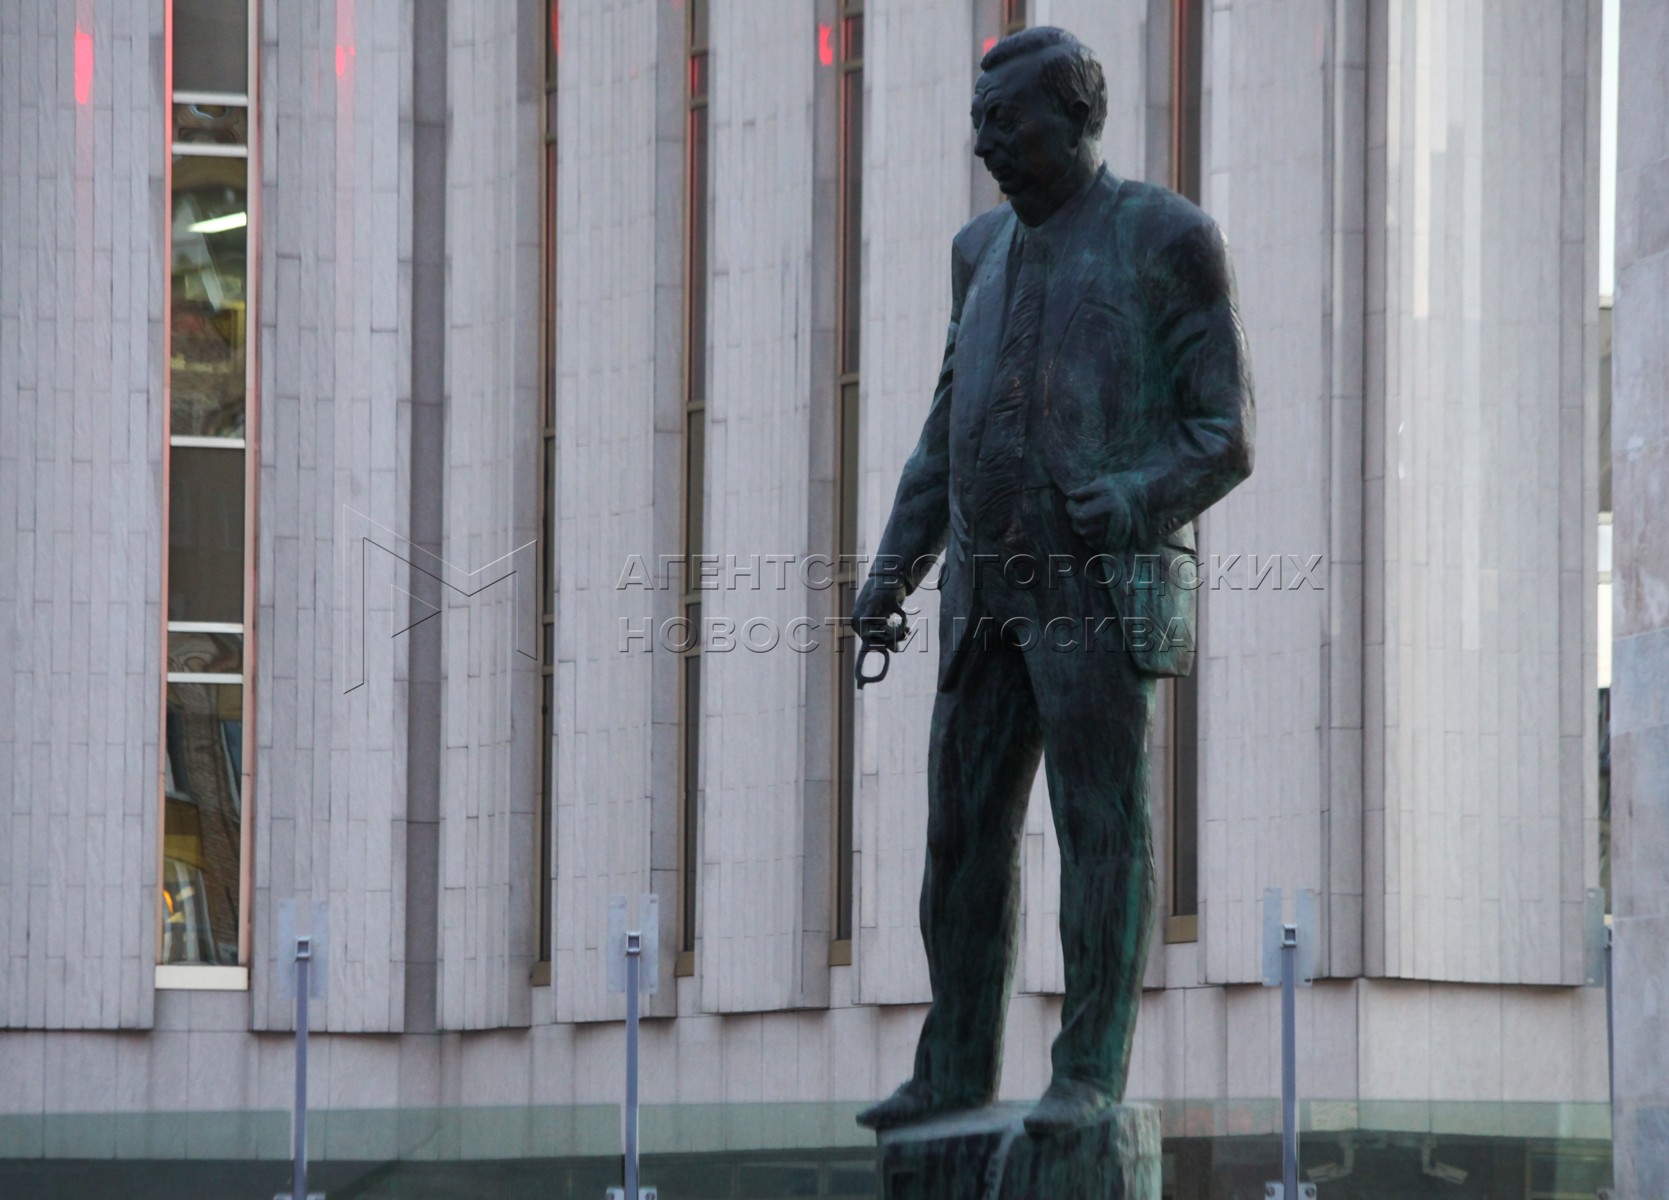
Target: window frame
column 544, row 811
column 1182, row 903
column 698, row 82
column 195, row 976
column 849, row 141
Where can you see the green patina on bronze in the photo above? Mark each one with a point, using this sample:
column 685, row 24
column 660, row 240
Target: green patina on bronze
column 1094, row 398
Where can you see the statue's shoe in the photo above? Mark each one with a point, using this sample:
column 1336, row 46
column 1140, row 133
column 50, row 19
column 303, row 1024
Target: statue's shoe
column 1067, row 1104
column 916, row 1100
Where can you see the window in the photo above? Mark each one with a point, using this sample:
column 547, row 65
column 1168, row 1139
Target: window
column 1014, row 16
column 543, row 825
column 1607, row 294
column 1603, row 607
column 696, row 199
column 208, row 660
column 849, row 314
column 1187, row 91
column 1182, row 912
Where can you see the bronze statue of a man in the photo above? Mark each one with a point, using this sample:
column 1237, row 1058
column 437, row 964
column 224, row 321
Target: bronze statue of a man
column 1094, row 399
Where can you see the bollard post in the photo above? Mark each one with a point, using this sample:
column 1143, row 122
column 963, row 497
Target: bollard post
column 632, row 969
column 1289, row 1059
column 304, row 958
column 1289, row 964
column 311, row 953
column 634, row 952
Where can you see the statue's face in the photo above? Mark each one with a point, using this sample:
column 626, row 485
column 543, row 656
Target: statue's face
column 1020, row 133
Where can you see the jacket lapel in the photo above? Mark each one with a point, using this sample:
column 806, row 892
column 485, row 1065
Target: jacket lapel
column 979, row 337
column 1081, row 260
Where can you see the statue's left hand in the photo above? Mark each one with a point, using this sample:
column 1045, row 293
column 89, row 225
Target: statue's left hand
column 1103, row 512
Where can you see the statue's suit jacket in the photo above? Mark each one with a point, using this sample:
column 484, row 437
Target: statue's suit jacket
column 1142, row 379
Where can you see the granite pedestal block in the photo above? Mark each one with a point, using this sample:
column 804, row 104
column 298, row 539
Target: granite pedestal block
column 986, row 1154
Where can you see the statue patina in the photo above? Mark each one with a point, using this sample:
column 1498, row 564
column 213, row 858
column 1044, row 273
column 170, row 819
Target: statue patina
column 1094, row 399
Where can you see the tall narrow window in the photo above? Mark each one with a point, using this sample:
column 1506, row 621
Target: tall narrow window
column 1187, row 83
column 848, row 333
column 1014, row 16
column 1607, row 264
column 1187, row 92
column 696, row 200
column 1603, row 622
column 208, row 651
column 547, row 500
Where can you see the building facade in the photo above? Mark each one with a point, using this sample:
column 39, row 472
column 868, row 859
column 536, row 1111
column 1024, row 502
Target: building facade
column 439, row 440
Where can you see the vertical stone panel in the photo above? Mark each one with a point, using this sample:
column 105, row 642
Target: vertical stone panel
column 1263, row 670
column 1345, row 175
column 753, row 833
column 606, row 443
column 81, row 443
column 917, row 145
column 1640, row 654
column 1482, row 489
column 330, row 796
column 490, row 708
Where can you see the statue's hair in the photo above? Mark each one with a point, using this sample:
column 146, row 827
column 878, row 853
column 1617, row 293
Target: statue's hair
column 1070, row 70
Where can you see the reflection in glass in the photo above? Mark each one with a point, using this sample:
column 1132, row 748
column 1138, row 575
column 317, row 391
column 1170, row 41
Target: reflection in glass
column 697, row 386
column 210, row 267
column 205, row 653
column 852, row 34
column 205, row 535
column 846, row 649
column 698, row 76
column 1189, row 84
column 695, row 500
column 547, row 747
column 211, row 124
column 698, row 24
column 692, row 791
column 851, row 217
column 848, row 546
column 1185, row 797
column 203, row 824
column 211, row 46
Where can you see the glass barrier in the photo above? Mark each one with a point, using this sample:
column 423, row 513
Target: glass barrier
column 767, row 1151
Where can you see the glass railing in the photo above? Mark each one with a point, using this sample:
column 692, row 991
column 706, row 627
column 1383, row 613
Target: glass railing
column 1212, row 1151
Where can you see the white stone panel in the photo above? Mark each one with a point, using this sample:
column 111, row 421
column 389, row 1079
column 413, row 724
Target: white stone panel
column 489, row 781
column 606, row 332
column 753, row 836
column 1482, row 474
column 918, row 73
column 335, row 454
column 81, row 545
column 1262, row 666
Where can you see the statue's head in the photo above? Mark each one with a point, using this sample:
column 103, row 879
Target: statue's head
column 1038, row 109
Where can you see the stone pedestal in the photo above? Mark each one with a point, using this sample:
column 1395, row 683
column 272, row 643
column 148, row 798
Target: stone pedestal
column 988, row 1155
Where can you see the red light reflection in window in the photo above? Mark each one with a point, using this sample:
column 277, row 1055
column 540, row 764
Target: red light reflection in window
column 825, row 45
column 986, row 47
column 83, row 65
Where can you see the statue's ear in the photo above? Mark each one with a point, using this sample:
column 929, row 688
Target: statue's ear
column 1078, row 113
